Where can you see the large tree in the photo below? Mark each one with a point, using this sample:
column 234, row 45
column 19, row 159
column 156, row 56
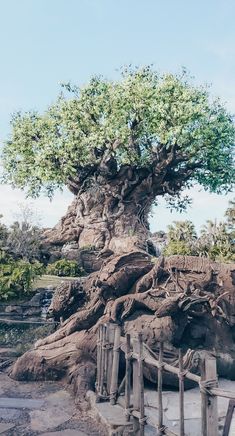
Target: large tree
column 117, row 145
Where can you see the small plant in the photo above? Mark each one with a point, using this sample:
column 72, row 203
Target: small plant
column 16, row 277
column 65, row 268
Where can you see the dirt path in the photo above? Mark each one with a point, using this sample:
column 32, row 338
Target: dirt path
column 47, row 408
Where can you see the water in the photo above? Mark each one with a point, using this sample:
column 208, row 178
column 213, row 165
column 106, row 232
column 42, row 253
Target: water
column 22, row 325
column 46, row 301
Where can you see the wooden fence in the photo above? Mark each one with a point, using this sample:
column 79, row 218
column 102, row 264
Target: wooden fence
column 109, row 345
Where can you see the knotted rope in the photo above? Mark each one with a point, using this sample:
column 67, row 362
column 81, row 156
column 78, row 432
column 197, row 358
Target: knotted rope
column 161, row 365
column 162, row 429
column 129, row 355
column 182, row 374
column 107, row 346
column 206, row 385
column 143, row 420
column 127, row 412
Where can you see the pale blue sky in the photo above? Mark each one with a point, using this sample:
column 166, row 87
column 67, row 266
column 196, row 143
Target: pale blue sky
column 45, row 42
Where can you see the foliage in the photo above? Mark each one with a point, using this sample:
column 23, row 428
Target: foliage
column 3, row 234
column 21, row 337
column 180, row 238
column 65, row 268
column 24, row 235
column 145, row 120
column 215, row 243
column 230, row 216
column 24, row 240
column 216, row 240
column 16, row 277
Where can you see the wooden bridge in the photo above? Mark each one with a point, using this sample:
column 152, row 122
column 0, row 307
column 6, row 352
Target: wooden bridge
column 110, row 344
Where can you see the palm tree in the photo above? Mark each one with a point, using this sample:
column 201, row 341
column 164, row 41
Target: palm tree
column 181, row 238
column 182, row 231
column 215, row 241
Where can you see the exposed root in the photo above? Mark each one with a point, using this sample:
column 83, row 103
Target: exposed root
column 186, row 304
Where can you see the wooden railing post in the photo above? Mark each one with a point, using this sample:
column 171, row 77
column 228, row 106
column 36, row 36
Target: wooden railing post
column 100, row 362
column 141, row 382
column 136, row 388
column 111, row 327
column 181, row 392
column 115, row 366
column 203, row 400
column 160, row 406
column 209, row 401
column 105, row 359
column 128, row 377
column 99, row 353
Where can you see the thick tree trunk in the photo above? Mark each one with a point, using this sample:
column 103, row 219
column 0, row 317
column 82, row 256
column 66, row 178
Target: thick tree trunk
column 93, row 222
column 107, row 214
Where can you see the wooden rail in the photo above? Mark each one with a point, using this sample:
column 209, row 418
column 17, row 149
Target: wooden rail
column 109, row 345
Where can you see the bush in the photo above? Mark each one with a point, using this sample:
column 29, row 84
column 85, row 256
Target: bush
column 181, row 239
column 16, row 277
column 216, row 240
column 3, row 234
column 179, row 247
column 65, row 268
column 24, row 240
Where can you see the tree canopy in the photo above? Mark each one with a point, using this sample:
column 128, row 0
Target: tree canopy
column 145, row 120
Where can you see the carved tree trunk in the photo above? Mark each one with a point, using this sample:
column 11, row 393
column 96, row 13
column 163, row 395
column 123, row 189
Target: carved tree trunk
column 109, row 211
column 187, row 301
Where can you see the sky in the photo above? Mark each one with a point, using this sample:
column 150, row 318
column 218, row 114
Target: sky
column 46, row 42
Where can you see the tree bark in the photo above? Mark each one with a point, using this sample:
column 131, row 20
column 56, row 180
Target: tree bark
column 108, row 213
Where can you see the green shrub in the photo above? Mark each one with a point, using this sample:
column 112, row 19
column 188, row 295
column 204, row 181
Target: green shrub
column 216, row 240
column 181, row 239
column 178, row 247
column 65, row 268
column 16, row 277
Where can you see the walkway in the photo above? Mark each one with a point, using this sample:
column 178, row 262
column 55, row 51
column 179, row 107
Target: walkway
column 48, row 409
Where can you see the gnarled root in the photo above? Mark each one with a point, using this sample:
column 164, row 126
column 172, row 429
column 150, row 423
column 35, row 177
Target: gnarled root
column 71, row 358
column 182, row 300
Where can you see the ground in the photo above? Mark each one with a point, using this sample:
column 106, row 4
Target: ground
column 45, row 408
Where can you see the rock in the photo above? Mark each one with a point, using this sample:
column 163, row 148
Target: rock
column 10, row 414
column 14, row 309
column 70, row 251
column 59, row 409
column 33, row 311
column 67, row 432
column 36, row 300
column 90, row 260
column 110, row 416
column 42, row 420
column 20, row 403
column 5, row 427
